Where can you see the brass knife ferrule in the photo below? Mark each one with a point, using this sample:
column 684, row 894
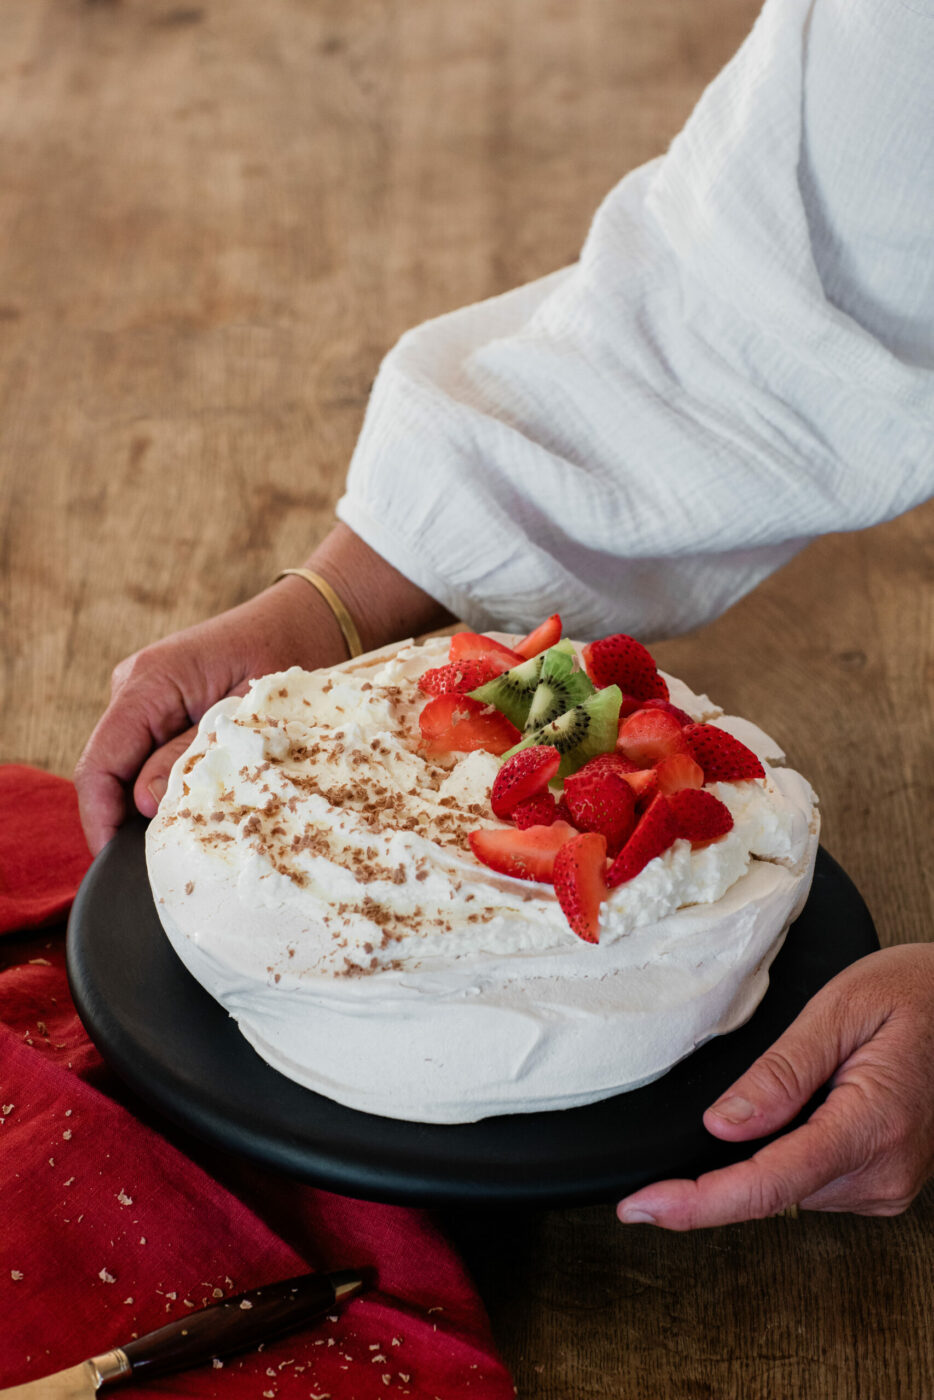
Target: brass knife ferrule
column 109, row 1367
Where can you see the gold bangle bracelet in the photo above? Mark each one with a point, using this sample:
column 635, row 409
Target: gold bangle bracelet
column 342, row 617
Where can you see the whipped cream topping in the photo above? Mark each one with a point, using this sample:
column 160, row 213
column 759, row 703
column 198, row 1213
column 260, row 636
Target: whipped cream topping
column 312, row 869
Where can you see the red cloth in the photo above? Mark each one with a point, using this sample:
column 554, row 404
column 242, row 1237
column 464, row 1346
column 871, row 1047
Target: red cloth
column 43, row 853
column 107, row 1230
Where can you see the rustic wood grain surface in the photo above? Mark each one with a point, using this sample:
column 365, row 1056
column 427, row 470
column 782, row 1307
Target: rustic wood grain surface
column 214, row 220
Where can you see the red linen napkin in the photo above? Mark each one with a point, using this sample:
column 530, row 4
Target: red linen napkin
column 107, row 1230
column 43, row 853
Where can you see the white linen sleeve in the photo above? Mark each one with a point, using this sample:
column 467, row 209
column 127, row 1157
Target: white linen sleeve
column 742, row 359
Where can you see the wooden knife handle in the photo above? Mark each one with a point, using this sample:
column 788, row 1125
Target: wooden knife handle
column 236, row 1324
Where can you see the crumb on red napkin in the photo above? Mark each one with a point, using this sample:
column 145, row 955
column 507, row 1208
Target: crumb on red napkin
column 109, row 1230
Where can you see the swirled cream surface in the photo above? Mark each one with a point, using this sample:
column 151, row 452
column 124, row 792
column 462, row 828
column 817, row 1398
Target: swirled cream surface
column 311, row 869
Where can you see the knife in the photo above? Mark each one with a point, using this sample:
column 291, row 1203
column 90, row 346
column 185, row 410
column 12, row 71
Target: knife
column 232, row 1325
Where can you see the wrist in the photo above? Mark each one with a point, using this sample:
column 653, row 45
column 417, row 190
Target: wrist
column 314, row 636
column 384, row 604
column 341, row 616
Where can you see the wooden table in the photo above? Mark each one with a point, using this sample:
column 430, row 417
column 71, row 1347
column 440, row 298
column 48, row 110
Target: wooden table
column 214, row 220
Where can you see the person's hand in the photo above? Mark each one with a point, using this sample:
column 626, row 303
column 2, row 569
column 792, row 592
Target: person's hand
column 868, row 1148
column 159, row 694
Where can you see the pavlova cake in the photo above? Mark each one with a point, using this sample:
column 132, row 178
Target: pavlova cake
column 480, row 875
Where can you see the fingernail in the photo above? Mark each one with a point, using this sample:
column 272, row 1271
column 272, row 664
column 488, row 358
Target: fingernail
column 632, row 1215
column 733, row 1110
column 157, row 788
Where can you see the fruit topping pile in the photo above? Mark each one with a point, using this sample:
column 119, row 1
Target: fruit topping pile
column 601, row 773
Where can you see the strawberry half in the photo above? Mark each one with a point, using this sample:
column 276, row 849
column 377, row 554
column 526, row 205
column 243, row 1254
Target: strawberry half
column 653, row 835
column 621, row 660
column 580, row 885
column 540, row 810
column 677, row 771
column 542, row 638
column 457, row 677
column 474, row 646
column 528, row 772
column 527, row 855
column 668, row 708
column 644, row 784
column 607, row 763
column 649, row 736
column 630, row 704
column 602, row 802
column 699, row 816
column 723, row 758
column 457, row 724
column 642, row 781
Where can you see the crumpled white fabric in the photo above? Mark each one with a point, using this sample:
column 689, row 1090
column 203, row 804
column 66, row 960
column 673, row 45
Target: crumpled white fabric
column 742, row 359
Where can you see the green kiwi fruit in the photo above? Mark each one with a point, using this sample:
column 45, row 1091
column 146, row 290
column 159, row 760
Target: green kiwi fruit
column 512, row 692
column 590, row 728
column 561, row 686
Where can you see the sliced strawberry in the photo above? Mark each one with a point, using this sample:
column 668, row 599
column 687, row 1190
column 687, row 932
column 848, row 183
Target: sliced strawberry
column 607, row 763
column 541, row 639
column 700, row 817
column 668, row 708
column 723, row 758
column 457, row 724
column 655, row 832
column 563, row 812
column 644, row 784
column 474, row 646
column 528, row 855
column 580, row 884
column 528, row 772
column 650, row 735
column 540, row 810
column 602, row 802
column 677, row 771
column 642, row 781
column 457, row 677
column 630, row 704
column 621, row 660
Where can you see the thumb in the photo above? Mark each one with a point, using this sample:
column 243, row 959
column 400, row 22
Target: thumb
column 149, row 788
column 780, row 1083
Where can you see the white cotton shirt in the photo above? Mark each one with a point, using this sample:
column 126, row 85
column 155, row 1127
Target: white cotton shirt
column 742, row 358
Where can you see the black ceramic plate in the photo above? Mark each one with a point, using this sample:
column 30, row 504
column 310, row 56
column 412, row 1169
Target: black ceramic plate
column 178, row 1049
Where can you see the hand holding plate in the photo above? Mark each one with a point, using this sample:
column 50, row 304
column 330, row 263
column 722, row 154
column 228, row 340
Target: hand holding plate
column 868, row 1148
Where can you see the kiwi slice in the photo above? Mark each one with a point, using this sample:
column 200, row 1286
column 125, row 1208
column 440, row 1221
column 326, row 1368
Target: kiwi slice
column 512, row 692
column 561, row 686
column 590, row 728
